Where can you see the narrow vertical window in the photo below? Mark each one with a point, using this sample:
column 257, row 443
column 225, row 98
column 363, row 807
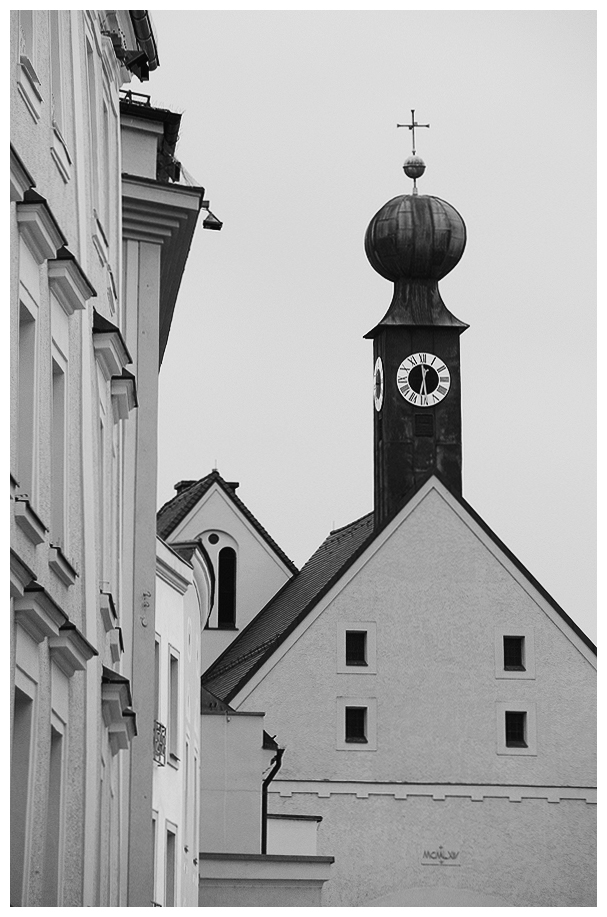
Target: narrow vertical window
column 101, row 494
column 173, row 723
column 157, row 679
column 169, row 870
column 187, row 795
column 226, row 588
column 50, row 897
column 195, row 779
column 516, row 729
column 115, row 519
column 20, row 774
column 154, row 855
column 356, row 724
column 27, row 399
column 514, row 654
column 58, row 435
column 356, row 647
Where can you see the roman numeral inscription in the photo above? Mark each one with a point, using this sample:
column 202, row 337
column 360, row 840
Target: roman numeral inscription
column 423, row 379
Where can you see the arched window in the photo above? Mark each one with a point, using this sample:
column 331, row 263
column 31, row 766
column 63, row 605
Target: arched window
column 226, row 588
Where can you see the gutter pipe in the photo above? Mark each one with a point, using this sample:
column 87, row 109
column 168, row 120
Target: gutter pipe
column 277, row 762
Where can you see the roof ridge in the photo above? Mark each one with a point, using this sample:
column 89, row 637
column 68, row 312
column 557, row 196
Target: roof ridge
column 185, row 500
column 349, row 525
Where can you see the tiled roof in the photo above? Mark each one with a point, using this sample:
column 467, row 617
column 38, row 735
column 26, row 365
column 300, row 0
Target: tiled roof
column 262, row 636
column 282, row 613
column 175, row 510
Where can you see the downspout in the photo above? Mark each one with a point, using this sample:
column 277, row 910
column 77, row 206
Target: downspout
column 144, row 32
column 277, row 762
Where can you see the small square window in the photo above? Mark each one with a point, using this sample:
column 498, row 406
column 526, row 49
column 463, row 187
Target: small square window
column 516, row 729
column 356, row 647
column 356, row 724
column 514, row 651
column 514, row 654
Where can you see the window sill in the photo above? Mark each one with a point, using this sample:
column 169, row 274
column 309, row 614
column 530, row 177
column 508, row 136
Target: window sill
column 173, row 760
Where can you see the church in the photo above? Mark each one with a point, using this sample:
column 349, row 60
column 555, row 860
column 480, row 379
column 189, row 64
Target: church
column 435, row 705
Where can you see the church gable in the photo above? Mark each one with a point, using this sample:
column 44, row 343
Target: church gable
column 248, row 566
column 432, row 695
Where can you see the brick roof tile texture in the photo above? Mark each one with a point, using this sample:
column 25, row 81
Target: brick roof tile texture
column 282, row 613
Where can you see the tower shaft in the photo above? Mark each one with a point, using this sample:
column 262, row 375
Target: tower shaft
column 409, row 440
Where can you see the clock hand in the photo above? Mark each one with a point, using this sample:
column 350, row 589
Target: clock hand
column 423, row 391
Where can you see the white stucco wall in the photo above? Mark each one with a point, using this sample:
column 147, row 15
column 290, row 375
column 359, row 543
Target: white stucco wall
column 177, row 784
column 233, row 765
column 260, row 572
column 53, row 140
column 437, row 591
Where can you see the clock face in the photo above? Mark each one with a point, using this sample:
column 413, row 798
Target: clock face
column 378, row 384
column 423, row 379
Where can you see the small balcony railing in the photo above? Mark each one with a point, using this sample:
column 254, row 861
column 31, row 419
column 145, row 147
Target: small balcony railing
column 160, row 743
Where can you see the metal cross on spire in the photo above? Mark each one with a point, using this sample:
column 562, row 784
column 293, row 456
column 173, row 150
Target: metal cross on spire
column 412, row 127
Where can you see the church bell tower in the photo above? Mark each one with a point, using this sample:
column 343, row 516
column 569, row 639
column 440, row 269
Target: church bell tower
column 415, row 240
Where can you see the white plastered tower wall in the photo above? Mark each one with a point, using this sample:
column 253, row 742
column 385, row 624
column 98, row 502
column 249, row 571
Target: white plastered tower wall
column 260, row 571
column 434, row 774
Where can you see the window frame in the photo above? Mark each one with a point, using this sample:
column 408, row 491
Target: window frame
column 369, row 704
column 370, row 629
column 173, row 706
column 527, row 634
column 513, row 706
column 355, row 731
column 356, row 655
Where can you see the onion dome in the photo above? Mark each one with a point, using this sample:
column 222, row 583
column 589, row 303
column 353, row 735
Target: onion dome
column 415, row 236
column 414, row 241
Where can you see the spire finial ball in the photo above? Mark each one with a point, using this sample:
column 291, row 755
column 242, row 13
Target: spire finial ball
column 414, row 167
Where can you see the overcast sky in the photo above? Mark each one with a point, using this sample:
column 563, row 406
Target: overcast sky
column 289, row 122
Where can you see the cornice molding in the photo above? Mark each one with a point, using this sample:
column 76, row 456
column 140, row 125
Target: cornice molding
column 21, row 575
column 68, row 282
column 169, row 575
column 110, row 347
column 70, row 649
column 124, row 395
column 38, row 614
column 21, row 180
column 165, row 214
column 107, row 610
column 436, row 791
column 117, row 714
column 28, row 520
column 38, row 227
column 60, row 565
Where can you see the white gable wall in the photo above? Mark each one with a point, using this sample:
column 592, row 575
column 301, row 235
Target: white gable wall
column 260, row 572
column 438, row 590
